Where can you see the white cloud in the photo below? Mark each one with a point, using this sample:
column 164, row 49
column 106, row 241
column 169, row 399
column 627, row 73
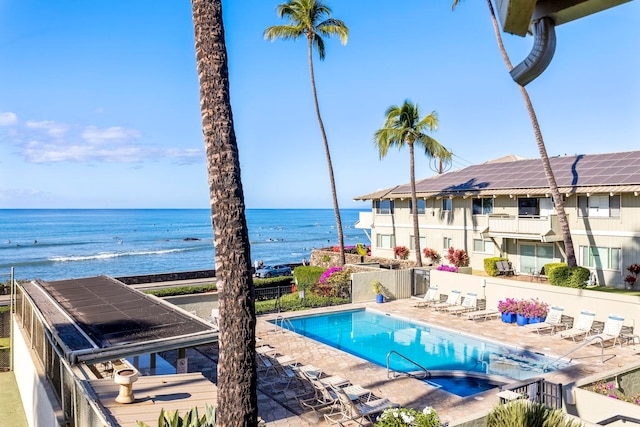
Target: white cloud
column 56, row 130
column 8, row 119
column 95, row 135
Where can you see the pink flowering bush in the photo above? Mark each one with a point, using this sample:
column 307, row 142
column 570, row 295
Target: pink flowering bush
column 401, row 252
column 324, row 276
column 608, row 388
column 449, row 268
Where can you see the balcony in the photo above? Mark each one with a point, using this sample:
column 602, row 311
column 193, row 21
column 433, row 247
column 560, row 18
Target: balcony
column 365, row 221
column 541, row 228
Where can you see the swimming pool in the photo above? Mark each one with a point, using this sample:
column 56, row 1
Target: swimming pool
column 372, row 335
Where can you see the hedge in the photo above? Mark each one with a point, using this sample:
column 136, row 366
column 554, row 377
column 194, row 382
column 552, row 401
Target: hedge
column 293, row 302
column 272, row 281
column 560, row 274
column 181, row 290
column 306, row 276
column 490, row 265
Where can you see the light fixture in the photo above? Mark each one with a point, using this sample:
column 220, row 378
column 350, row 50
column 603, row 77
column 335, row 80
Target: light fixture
column 588, row 194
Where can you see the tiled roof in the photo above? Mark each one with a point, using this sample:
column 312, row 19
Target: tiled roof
column 611, row 172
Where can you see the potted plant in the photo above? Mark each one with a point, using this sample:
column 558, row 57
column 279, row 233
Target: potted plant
column 460, row 259
column 401, row 252
column 508, row 309
column 377, row 289
column 522, row 310
column 431, row 256
column 538, row 311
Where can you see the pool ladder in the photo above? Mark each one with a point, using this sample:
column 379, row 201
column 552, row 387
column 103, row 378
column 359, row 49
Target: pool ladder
column 424, row 372
column 282, row 324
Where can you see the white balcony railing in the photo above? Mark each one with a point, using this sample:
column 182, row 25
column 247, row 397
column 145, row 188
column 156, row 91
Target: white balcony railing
column 365, row 220
column 531, row 225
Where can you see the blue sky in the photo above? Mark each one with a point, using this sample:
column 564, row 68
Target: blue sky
column 99, row 102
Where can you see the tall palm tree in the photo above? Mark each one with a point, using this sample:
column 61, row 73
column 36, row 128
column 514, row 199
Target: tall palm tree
column 237, row 399
column 403, row 125
column 306, row 18
column 546, row 165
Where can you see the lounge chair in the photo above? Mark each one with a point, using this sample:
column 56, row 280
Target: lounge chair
column 611, row 331
column 452, row 299
column 482, row 314
column 430, row 297
column 581, row 327
column 469, row 304
column 553, row 321
column 357, row 411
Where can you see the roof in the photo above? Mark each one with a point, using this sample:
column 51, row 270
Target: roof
column 592, row 173
column 96, row 319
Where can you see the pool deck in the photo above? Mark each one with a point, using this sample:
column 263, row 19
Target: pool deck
column 409, row 392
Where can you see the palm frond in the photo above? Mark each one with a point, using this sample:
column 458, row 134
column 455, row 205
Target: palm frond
column 319, row 44
column 285, row 32
column 332, row 27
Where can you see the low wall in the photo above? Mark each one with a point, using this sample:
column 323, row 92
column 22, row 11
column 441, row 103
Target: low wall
column 573, row 300
column 329, row 259
column 167, row 277
column 37, row 396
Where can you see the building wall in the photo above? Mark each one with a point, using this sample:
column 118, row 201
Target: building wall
column 462, row 228
column 37, row 397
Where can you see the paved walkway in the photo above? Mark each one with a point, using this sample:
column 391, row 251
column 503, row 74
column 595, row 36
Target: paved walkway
column 11, row 412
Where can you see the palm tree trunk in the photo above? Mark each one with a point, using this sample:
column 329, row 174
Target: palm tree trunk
column 334, row 194
column 553, row 186
column 237, row 399
column 414, row 205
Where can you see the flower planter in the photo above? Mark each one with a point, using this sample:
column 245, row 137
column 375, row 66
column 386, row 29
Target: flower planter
column 465, row 270
column 537, row 319
column 508, row 317
column 379, row 298
column 521, row 320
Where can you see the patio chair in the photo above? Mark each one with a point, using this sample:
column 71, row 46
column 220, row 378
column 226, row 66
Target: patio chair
column 554, row 320
column 611, row 331
column 581, row 327
column 592, row 282
column 452, row 299
column 323, row 397
column 485, row 314
column 357, row 411
column 504, row 268
column 469, row 304
column 430, row 297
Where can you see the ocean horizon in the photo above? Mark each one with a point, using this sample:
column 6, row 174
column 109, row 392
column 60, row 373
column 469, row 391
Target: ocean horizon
column 55, row 244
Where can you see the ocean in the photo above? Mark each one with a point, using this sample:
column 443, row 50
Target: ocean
column 54, row 244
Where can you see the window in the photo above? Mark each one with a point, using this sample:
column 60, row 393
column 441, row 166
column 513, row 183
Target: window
column 386, row 241
column 482, row 206
column 384, row 207
column 600, row 257
column 412, row 242
column 446, row 204
column 422, row 204
column 528, row 206
column 447, row 243
column 483, row 246
column 599, row 206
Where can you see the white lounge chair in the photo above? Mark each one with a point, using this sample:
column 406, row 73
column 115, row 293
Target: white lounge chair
column 430, row 297
column 452, row 299
column 611, row 331
column 581, row 327
column 469, row 304
column 552, row 322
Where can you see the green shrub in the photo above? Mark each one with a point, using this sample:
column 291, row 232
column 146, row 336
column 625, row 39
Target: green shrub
column 292, row 302
column 272, row 281
column 524, row 413
column 490, row 265
column 182, row 290
column 578, row 276
column 190, row 419
column 4, row 308
column 557, row 272
column 307, row 276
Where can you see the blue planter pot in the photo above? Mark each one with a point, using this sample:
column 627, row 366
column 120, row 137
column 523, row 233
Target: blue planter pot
column 379, row 298
column 537, row 319
column 521, row 320
column 508, row 317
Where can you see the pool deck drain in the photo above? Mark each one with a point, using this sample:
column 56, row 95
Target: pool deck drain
column 409, row 392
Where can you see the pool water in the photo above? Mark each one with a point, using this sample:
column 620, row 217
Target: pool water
column 372, row 336
column 462, row 386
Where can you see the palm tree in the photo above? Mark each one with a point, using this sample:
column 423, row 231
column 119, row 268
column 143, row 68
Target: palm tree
column 237, row 399
column 306, row 19
column 403, row 125
column 546, row 165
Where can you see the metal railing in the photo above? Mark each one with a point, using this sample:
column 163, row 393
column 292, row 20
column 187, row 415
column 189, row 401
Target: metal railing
column 586, row 341
column 282, row 324
column 409, row 374
column 538, row 390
